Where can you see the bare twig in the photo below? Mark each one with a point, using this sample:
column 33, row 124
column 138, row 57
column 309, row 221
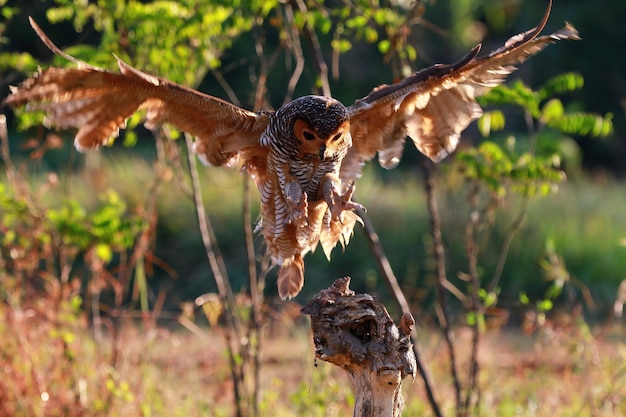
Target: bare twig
column 265, row 64
column 233, row 330
column 311, row 36
column 442, row 295
column 4, row 150
column 226, row 86
column 392, row 281
column 296, row 49
column 477, row 307
column 521, row 214
column 506, row 244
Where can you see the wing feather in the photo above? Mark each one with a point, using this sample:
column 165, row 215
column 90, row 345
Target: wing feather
column 98, row 102
column 434, row 105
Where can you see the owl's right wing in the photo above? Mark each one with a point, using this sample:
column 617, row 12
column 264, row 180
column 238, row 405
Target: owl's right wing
column 98, row 102
column 434, row 105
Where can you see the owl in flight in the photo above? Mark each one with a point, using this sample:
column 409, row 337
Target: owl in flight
column 303, row 157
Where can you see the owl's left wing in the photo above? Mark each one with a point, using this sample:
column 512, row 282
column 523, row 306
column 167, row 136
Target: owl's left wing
column 434, row 105
column 98, row 103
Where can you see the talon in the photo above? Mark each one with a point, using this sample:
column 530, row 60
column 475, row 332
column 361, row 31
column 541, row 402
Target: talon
column 337, row 203
column 298, row 209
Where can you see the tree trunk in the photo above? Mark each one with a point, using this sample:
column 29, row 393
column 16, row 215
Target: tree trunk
column 355, row 332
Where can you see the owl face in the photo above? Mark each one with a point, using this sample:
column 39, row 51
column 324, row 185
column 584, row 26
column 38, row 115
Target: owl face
column 320, row 126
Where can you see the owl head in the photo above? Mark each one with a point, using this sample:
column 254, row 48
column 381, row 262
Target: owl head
column 319, row 125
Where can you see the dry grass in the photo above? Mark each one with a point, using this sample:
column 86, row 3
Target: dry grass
column 58, row 368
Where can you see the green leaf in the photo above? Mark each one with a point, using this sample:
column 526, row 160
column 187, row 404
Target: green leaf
column 411, row 52
column 356, row 22
column 560, row 84
column 491, row 121
column 516, row 94
column 130, row 138
column 384, row 46
column 470, row 318
column 370, row 34
column 523, row 298
column 552, row 110
column 104, row 252
column 545, row 305
column 584, row 124
column 341, row 45
column 17, row 61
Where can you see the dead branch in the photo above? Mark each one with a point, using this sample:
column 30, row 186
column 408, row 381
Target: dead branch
column 355, row 332
column 440, row 257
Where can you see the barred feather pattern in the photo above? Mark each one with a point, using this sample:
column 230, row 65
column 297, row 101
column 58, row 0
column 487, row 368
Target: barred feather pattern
column 291, row 232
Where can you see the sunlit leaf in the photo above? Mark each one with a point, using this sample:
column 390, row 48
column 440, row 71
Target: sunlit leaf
column 517, row 93
column 552, row 110
column 341, row 45
column 545, row 305
column 560, row 84
column 583, row 124
column 356, row 22
column 104, row 252
column 523, row 298
column 491, row 121
column 384, row 46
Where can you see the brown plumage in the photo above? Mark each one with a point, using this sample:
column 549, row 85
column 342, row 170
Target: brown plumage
column 305, row 156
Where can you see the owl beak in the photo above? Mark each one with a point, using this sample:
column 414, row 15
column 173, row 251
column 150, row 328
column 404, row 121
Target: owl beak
column 322, row 150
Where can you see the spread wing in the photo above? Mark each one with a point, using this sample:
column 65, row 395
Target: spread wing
column 434, row 105
column 98, row 103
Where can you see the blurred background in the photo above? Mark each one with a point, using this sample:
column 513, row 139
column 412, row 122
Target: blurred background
column 581, row 227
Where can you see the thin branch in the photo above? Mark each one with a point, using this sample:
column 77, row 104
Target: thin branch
column 264, row 66
column 508, row 239
column 311, row 36
column 476, row 305
column 254, row 325
column 223, row 286
column 226, row 87
column 296, row 49
column 392, row 281
column 521, row 214
column 383, row 262
column 5, row 153
column 442, row 295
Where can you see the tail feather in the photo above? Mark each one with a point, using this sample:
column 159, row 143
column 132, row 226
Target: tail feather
column 339, row 231
column 291, row 278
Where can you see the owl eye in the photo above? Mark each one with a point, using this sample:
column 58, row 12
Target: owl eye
column 308, row 135
column 337, row 136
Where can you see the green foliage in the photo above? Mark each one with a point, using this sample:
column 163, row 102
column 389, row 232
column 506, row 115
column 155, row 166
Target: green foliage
column 543, row 106
column 107, row 230
column 496, row 168
column 185, row 39
column 366, row 21
column 493, row 170
column 12, row 61
column 528, row 171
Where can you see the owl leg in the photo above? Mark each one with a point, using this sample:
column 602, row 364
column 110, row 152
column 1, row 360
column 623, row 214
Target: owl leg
column 297, row 203
column 336, row 201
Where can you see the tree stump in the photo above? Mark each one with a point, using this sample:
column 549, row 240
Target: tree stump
column 355, row 332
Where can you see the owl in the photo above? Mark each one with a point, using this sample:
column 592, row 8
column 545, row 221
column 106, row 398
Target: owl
column 303, row 157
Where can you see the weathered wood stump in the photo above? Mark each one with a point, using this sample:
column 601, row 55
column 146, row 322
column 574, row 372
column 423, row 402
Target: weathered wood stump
column 355, row 332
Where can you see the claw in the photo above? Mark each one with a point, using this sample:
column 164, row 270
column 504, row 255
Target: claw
column 297, row 209
column 347, row 199
column 338, row 203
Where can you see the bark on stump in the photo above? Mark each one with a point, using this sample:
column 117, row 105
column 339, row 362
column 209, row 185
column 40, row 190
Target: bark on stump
column 355, row 332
